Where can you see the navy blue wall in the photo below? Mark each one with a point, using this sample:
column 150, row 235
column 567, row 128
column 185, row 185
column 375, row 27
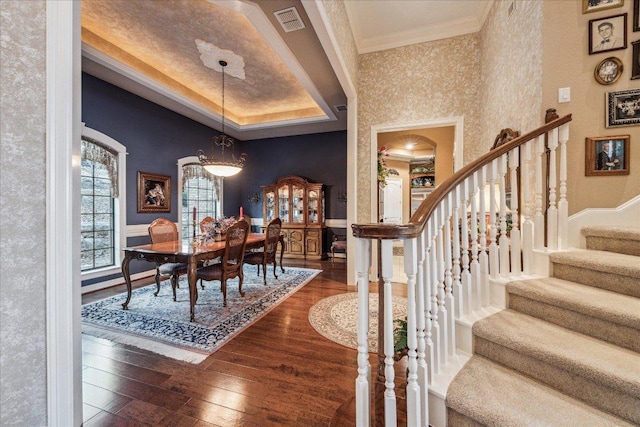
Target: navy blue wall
column 319, row 157
column 156, row 137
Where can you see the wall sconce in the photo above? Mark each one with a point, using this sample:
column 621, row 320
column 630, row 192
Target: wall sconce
column 342, row 196
column 253, row 197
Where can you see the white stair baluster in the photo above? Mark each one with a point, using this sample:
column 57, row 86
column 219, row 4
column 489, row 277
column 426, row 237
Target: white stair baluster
column 386, row 261
column 552, row 211
column 423, row 371
column 413, row 389
column 494, row 267
column 527, row 223
column 563, row 204
column 363, row 388
column 538, row 218
column 448, row 278
column 514, row 162
column 465, row 276
column 503, row 242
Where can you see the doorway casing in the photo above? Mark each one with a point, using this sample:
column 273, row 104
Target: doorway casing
column 458, row 151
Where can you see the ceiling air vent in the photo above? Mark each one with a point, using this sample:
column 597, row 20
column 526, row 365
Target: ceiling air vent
column 289, row 19
column 341, row 108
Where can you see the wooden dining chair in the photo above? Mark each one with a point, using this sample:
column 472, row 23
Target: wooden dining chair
column 162, row 230
column 206, row 221
column 268, row 254
column 232, row 260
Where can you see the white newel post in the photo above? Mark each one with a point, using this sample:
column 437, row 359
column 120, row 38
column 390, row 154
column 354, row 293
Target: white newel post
column 363, row 389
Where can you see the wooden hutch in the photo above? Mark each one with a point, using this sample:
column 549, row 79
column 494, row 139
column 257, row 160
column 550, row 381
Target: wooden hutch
column 300, row 205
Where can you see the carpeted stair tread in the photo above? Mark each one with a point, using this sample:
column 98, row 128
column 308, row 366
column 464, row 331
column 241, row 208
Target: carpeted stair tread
column 613, row 232
column 624, row 240
column 609, row 262
column 590, row 358
column 610, row 306
column 494, row 395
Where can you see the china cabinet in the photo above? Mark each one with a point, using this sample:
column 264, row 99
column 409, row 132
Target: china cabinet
column 423, row 179
column 300, row 206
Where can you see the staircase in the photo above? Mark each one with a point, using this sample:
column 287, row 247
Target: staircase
column 566, row 351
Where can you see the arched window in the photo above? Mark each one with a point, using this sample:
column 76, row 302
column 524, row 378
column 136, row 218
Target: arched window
column 200, row 190
column 102, row 205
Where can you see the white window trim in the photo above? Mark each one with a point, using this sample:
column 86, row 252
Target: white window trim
column 120, row 204
column 185, row 161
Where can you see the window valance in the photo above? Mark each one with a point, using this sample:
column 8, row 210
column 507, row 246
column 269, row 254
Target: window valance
column 94, row 151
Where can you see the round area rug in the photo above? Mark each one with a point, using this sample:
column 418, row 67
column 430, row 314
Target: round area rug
column 336, row 318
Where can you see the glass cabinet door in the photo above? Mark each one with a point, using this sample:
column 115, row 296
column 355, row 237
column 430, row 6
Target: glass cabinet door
column 312, row 213
column 283, row 203
column 297, row 204
column 270, row 203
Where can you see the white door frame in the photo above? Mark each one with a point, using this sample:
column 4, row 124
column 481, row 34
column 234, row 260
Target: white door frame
column 458, row 151
column 63, row 131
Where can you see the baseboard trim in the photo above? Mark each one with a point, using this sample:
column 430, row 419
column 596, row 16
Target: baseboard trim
column 117, row 281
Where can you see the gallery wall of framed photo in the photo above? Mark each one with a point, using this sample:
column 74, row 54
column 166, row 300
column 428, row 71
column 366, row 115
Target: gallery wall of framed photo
column 592, row 47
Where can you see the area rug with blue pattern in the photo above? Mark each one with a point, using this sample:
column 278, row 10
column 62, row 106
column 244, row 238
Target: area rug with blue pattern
column 161, row 325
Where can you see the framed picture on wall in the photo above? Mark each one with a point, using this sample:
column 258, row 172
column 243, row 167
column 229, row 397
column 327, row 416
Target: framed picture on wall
column 607, row 155
column 635, row 67
column 607, row 34
column 636, row 15
column 154, row 192
column 608, row 71
column 623, row 108
column 589, row 6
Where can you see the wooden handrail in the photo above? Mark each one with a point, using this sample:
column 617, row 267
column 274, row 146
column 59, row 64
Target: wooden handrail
column 417, row 222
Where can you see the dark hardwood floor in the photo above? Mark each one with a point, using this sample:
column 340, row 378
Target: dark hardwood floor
column 277, row 372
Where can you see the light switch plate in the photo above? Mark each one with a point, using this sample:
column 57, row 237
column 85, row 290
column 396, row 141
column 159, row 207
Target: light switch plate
column 564, row 94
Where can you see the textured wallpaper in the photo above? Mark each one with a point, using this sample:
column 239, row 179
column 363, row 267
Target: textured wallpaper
column 511, row 70
column 416, row 83
column 23, row 381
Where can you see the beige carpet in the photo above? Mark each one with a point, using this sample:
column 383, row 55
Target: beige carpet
column 336, row 317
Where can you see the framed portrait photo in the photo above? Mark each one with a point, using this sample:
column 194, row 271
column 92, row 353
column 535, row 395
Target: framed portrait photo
column 608, row 71
column 623, row 108
column 635, row 57
column 154, row 192
column 636, row 15
column 607, row 155
column 589, row 6
column 607, row 34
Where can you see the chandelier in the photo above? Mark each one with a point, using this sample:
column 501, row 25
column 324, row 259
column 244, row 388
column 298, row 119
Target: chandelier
column 220, row 166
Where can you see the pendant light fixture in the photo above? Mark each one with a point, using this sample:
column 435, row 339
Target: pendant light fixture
column 220, row 166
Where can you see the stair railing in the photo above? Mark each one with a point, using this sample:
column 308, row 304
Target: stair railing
column 461, row 239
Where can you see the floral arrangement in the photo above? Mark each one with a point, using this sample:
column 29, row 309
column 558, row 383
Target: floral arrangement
column 218, row 227
column 383, row 170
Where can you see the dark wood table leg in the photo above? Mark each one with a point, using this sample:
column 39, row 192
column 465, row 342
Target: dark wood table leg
column 192, row 275
column 127, row 278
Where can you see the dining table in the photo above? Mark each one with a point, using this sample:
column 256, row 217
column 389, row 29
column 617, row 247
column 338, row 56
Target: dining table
column 192, row 253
